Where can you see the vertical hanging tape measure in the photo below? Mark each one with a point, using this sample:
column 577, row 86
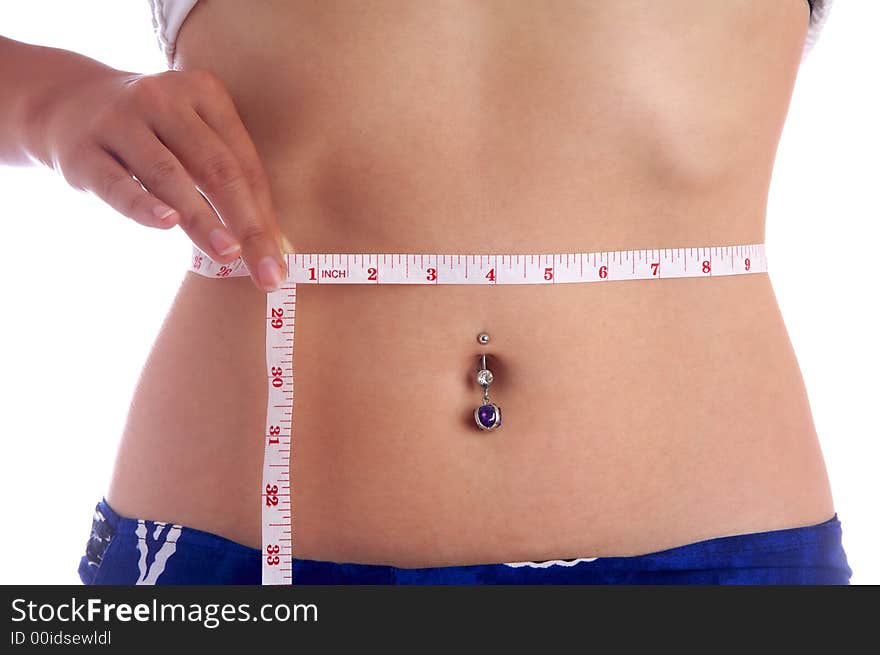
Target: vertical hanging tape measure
column 366, row 268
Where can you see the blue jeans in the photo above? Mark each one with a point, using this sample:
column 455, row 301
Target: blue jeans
column 128, row 551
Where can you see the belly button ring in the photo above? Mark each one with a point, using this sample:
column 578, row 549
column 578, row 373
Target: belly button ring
column 487, row 415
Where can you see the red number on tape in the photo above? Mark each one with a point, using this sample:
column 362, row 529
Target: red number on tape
column 271, row 495
column 276, row 376
column 277, row 313
column 272, row 558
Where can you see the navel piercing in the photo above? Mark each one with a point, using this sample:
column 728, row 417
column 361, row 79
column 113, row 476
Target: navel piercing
column 483, row 338
column 487, row 415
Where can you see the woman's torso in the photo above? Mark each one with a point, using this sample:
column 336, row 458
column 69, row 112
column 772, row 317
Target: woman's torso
column 637, row 415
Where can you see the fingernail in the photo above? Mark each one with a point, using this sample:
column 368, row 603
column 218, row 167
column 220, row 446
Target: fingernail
column 222, row 242
column 163, row 212
column 269, row 273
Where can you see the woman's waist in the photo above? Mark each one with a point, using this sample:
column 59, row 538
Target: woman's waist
column 601, row 376
column 590, row 379
column 685, row 339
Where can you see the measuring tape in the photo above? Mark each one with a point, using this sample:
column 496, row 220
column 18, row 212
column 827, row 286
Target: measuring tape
column 334, row 268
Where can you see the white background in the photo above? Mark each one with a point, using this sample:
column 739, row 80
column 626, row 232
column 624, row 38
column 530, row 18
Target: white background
column 77, row 324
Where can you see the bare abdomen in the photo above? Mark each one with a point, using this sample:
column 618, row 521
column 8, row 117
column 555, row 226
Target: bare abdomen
column 637, row 415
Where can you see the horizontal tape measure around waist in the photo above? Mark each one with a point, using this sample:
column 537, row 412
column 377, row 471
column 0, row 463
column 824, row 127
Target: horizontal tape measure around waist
column 372, row 268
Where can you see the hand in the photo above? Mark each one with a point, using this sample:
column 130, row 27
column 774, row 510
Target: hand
column 174, row 131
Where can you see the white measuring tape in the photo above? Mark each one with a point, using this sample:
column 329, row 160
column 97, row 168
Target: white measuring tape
column 606, row 266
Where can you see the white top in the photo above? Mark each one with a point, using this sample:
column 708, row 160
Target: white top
column 168, row 16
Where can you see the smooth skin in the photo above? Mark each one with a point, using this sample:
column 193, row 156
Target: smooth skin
column 637, row 415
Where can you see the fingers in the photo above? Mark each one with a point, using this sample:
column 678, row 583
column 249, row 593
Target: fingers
column 227, row 184
column 108, row 179
column 160, row 172
column 175, row 142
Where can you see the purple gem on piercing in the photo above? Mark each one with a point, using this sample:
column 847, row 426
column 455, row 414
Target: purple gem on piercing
column 488, row 416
